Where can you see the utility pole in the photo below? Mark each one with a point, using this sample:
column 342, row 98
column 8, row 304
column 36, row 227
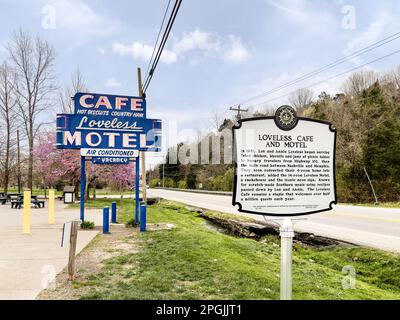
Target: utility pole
column 239, row 110
column 142, row 153
column 372, row 187
column 18, row 164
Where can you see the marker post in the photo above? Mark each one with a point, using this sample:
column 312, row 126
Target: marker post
column 287, row 234
column 294, row 146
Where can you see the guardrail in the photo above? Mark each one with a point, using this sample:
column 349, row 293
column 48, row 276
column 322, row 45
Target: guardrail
column 220, row 193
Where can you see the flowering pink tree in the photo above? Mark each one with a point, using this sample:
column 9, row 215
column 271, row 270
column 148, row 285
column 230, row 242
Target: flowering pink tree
column 121, row 176
column 47, row 160
column 53, row 165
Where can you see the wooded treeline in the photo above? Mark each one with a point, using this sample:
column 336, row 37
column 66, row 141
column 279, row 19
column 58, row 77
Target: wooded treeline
column 366, row 115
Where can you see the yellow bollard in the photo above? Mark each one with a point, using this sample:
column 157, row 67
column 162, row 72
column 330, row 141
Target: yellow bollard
column 26, row 218
column 51, row 206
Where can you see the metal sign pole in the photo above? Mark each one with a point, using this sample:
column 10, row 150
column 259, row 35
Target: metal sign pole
column 287, row 234
column 83, row 182
column 142, row 153
column 137, row 190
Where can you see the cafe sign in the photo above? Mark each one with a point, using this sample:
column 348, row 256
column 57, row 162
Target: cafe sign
column 108, row 122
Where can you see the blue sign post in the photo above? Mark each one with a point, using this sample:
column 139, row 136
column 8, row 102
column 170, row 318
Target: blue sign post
column 110, row 130
column 137, row 190
column 82, row 198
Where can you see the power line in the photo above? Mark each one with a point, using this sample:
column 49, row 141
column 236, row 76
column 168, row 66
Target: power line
column 158, row 36
column 162, row 44
column 333, row 77
column 331, row 65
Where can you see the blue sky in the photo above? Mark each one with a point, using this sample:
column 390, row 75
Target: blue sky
column 221, row 52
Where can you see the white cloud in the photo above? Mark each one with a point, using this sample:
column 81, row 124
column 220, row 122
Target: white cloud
column 294, row 8
column 230, row 48
column 112, row 83
column 102, row 51
column 196, row 39
column 236, row 52
column 373, row 33
column 143, row 51
column 305, row 14
column 78, row 15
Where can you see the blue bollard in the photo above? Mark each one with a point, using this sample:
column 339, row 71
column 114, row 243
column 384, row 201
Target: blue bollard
column 114, row 212
column 142, row 217
column 106, row 220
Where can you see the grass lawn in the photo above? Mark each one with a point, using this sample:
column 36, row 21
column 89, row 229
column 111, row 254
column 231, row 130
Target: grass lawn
column 194, row 261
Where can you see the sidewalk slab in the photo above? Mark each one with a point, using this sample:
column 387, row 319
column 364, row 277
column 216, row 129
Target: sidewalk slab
column 28, row 262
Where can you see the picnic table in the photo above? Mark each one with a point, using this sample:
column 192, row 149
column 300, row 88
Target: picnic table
column 17, row 204
column 3, row 198
column 7, row 197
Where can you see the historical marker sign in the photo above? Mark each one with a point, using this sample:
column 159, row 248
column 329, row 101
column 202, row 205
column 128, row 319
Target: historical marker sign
column 284, row 165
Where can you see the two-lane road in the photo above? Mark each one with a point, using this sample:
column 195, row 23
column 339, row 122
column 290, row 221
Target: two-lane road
column 369, row 226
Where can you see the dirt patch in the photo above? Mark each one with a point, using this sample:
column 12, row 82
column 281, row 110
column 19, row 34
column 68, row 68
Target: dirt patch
column 90, row 262
column 160, row 226
column 257, row 229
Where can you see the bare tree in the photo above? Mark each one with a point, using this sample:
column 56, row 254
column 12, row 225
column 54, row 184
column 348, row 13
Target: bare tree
column 33, row 60
column 396, row 76
column 301, row 98
column 78, row 84
column 8, row 102
column 360, row 81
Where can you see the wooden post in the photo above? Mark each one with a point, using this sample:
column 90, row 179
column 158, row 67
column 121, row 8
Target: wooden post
column 72, row 249
column 142, row 153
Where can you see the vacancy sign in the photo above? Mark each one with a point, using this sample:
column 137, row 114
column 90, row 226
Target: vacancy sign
column 284, row 165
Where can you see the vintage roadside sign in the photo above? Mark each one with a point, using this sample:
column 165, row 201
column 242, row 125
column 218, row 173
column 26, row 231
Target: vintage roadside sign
column 284, row 165
column 75, row 131
column 109, row 105
column 94, row 152
column 108, row 122
column 111, row 160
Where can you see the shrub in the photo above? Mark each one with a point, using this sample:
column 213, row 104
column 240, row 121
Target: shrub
column 182, row 184
column 87, row 225
column 131, row 223
column 169, row 183
column 155, row 183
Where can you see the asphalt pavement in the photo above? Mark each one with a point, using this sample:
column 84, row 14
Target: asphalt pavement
column 368, row 226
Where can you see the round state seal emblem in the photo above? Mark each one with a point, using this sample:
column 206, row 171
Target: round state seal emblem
column 286, row 118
